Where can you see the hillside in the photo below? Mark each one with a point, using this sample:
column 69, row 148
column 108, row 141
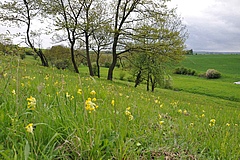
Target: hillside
column 56, row 114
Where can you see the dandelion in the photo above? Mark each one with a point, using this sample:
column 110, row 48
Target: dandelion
column 93, row 92
column 79, row 91
column 31, row 103
column 29, row 128
column 112, row 102
column 13, row 92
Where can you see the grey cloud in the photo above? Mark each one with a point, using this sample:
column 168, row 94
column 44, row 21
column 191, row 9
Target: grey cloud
column 218, row 29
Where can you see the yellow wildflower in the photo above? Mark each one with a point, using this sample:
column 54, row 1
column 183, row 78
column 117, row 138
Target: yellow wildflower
column 13, row 92
column 130, row 117
column 90, row 106
column 179, row 111
column 31, row 103
column 212, row 122
column 127, row 113
column 79, row 91
column 94, row 99
column 29, row 128
column 112, row 102
column 161, row 122
column 72, row 97
column 67, row 95
column 159, row 116
column 93, row 92
column 185, row 112
column 228, row 124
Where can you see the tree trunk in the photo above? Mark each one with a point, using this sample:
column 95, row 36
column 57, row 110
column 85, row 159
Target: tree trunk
column 148, row 81
column 97, row 62
column 73, row 58
column 88, row 55
column 114, row 57
column 138, row 79
column 38, row 52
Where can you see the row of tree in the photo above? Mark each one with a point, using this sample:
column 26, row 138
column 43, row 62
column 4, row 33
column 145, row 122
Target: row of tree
column 146, row 32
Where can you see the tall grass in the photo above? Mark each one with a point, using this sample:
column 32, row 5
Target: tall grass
column 129, row 123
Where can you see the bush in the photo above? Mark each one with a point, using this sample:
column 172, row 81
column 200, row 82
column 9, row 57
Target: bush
column 213, row 74
column 184, row 71
column 107, row 64
column 61, row 64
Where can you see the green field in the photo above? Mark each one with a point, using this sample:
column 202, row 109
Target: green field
column 227, row 65
column 47, row 113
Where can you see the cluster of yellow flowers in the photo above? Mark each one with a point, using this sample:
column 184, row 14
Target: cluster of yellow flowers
column 129, row 114
column 69, row 96
column 161, row 122
column 185, row 112
column 29, row 128
column 212, row 122
column 90, row 106
column 31, row 103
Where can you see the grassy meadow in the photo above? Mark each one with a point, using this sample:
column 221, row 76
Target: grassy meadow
column 47, row 113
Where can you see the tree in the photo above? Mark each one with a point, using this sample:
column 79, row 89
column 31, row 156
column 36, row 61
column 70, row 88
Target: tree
column 66, row 14
column 159, row 41
column 122, row 20
column 101, row 35
column 23, row 12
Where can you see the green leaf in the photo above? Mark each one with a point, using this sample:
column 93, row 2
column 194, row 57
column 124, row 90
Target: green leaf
column 27, row 150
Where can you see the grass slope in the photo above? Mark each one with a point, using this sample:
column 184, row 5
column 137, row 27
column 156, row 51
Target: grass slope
column 79, row 117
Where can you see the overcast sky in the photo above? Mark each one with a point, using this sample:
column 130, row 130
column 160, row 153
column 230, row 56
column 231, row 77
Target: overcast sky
column 213, row 25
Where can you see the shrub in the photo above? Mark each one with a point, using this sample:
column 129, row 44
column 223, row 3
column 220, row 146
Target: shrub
column 213, row 74
column 61, row 64
column 107, row 64
column 184, row 71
